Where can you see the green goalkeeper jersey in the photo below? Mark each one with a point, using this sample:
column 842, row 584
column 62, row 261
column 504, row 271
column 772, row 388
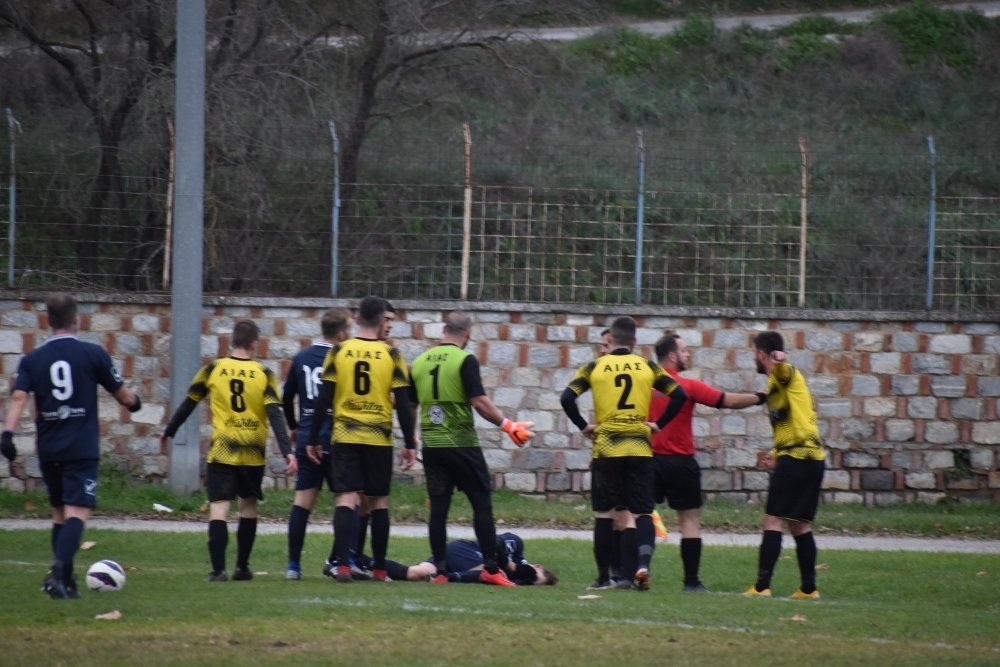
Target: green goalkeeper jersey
column 446, row 418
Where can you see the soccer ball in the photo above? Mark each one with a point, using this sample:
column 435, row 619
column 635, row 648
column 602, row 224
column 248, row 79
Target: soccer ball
column 106, row 575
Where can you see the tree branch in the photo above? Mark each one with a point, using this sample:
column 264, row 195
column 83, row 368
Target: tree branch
column 51, row 50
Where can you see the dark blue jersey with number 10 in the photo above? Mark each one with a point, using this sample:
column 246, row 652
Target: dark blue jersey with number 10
column 304, row 379
column 63, row 375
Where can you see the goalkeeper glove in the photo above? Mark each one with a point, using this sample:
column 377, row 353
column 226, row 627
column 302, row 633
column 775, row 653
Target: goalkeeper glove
column 7, row 447
column 518, row 431
column 135, row 407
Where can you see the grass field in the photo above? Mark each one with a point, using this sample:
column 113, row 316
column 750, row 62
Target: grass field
column 877, row 608
column 118, row 497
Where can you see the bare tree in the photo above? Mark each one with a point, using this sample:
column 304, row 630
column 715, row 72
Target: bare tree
column 108, row 52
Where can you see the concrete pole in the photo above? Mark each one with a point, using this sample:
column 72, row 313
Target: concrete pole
column 189, row 206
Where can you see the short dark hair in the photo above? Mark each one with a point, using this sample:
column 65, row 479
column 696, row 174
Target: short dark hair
column 457, row 323
column 623, row 331
column 389, row 308
column 769, row 341
column 334, row 321
column 666, row 344
column 550, row 577
column 371, row 310
column 245, row 334
column 61, row 308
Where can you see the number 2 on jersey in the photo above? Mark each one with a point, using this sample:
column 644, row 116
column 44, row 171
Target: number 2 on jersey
column 624, row 381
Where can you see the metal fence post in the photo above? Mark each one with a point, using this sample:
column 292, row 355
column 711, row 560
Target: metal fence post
column 931, row 223
column 13, row 127
column 335, row 213
column 803, row 219
column 640, row 212
column 466, row 212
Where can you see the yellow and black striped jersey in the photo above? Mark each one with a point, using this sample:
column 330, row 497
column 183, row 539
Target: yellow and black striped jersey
column 790, row 408
column 623, row 387
column 240, row 391
column 364, row 373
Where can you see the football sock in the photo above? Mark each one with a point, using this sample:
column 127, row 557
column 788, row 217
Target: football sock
column 615, row 562
column 298, row 520
column 603, row 544
column 66, row 548
column 629, row 553
column 645, row 538
column 467, row 577
column 770, row 550
column 437, row 527
column 218, row 540
column 246, row 533
column 485, row 529
column 380, row 537
column 691, row 558
column 805, row 552
column 396, row 571
column 345, row 524
column 361, row 534
column 54, row 536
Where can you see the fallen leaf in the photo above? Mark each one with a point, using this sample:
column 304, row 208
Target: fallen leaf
column 87, row 546
column 981, row 573
column 30, row 506
column 822, row 567
column 588, row 597
column 110, row 616
column 204, row 506
column 131, row 568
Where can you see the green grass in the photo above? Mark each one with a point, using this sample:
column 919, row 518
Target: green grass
column 409, row 505
column 877, row 608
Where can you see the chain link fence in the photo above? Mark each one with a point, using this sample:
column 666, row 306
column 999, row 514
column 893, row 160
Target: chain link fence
column 731, row 225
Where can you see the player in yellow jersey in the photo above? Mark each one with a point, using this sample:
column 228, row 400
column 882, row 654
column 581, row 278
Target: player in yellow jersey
column 799, row 462
column 622, row 469
column 244, row 399
column 362, row 379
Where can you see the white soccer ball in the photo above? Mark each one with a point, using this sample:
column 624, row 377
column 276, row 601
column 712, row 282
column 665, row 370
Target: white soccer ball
column 106, row 575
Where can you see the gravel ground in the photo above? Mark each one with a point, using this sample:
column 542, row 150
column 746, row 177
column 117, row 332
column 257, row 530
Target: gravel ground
column 855, row 543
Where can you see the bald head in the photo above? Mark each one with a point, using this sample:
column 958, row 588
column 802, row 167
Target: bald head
column 457, row 323
column 457, row 329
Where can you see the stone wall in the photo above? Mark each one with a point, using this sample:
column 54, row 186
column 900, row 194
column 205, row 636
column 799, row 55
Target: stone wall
column 907, row 402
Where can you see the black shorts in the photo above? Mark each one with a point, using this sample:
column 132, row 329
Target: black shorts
column 622, row 482
column 448, row 468
column 794, row 490
column 678, row 480
column 229, row 482
column 364, row 469
column 71, row 482
column 312, row 475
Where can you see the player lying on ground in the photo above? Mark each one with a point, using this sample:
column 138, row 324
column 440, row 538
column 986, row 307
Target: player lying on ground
column 465, row 563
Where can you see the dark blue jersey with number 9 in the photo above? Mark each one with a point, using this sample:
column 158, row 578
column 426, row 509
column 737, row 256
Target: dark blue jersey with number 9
column 63, row 374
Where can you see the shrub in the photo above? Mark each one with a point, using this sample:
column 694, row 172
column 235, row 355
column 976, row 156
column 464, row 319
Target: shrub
column 925, row 32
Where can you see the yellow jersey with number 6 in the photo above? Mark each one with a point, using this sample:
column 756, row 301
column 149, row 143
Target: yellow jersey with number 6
column 364, row 373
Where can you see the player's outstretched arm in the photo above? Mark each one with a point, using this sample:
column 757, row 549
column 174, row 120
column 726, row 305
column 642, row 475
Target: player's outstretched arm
column 740, row 401
column 518, row 432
